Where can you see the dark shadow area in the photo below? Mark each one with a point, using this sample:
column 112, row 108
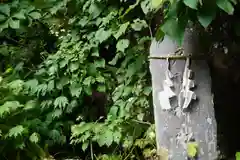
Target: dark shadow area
column 226, row 90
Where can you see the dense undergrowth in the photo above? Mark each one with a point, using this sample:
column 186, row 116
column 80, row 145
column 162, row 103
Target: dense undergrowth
column 74, row 75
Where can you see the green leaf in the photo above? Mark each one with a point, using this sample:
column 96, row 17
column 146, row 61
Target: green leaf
column 191, row 3
column 225, row 5
column 101, row 88
column 122, row 45
column 34, row 138
column 122, row 30
column 5, row 9
column 75, row 90
column 157, row 3
column 2, row 18
column 19, row 15
column 138, row 24
column 61, row 102
column 102, row 35
column 15, row 24
column 35, row 15
column 56, row 113
column 174, row 29
column 206, row 15
column 95, row 10
column 30, row 105
column 87, row 81
column 99, row 63
column 85, row 145
column 146, row 6
column 50, row 86
column 16, row 131
column 74, row 66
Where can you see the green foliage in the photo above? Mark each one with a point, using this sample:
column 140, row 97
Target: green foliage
column 44, row 93
column 180, row 12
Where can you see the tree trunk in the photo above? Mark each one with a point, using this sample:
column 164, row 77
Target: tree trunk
column 176, row 128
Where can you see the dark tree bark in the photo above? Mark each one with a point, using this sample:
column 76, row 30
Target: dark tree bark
column 176, row 127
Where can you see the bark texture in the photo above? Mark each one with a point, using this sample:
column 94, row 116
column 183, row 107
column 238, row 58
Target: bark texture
column 173, row 127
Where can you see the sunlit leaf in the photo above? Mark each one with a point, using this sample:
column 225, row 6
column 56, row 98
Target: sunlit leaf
column 102, row 35
column 34, row 138
column 61, row 102
column 225, row 5
column 16, row 131
column 122, row 30
column 122, row 45
column 15, row 24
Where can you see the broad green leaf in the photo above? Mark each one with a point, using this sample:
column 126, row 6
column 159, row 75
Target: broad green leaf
column 100, row 79
column 95, row 10
column 174, row 29
column 34, row 138
column 113, row 112
column 2, row 18
column 75, row 90
column 191, row 3
column 206, row 16
column 101, row 88
column 15, row 24
column 102, row 35
column 19, row 15
column 147, row 90
column 122, row 45
column 63, row 82
column 51, row 85
column 225, row 5
column 61, row 102
column 5, row 9
column 35, row 15
column 16, row 131
column 87, row 81
column 74, row 66
column 100, row 63
column 30, row 105
column 122, row 30
column 138, row 24
column 157, row 3
column 85, row 145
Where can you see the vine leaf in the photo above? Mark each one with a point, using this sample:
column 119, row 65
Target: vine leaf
column 138, row 24
column 61, row 102
column 121, row 30
column 35, row 15
column 102, row 35
column 225, row 5
column 191, row 3
column 16, row 131
column 34, row 138
column 122, row 45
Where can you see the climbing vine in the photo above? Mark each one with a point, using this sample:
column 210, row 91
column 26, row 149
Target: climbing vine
column 56, row 55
